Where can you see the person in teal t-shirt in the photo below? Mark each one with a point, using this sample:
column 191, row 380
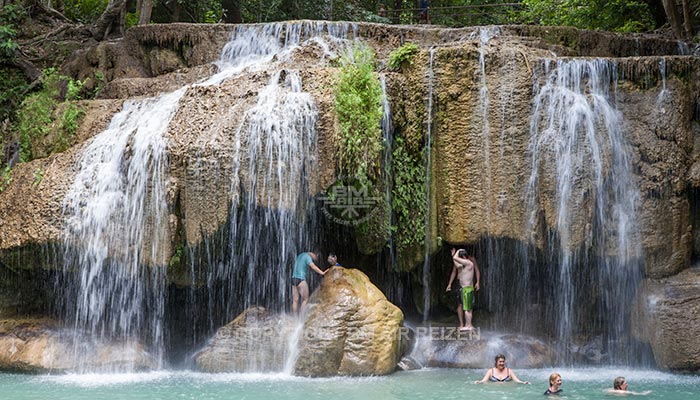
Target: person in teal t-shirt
column 299, row 285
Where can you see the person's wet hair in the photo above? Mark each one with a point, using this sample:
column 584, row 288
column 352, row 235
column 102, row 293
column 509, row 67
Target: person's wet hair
column 618, row 382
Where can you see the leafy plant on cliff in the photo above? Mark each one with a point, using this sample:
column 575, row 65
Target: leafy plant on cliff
column 5, row 177
column 402, row 56
column 408, row 195
column 35, row 117
column 358, row 104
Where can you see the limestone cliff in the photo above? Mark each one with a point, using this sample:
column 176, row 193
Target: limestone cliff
column 480, row 166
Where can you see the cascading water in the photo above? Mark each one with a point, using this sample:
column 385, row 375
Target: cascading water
column 117, row 236
column 116, row 228
column 428, row 168
column 580, row 160
column 272, row 213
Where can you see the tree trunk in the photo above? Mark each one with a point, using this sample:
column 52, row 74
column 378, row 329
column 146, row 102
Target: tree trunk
column 673, row 17
column 110, row 20
column 145, row 12
column 687, row 21
column 233, row 11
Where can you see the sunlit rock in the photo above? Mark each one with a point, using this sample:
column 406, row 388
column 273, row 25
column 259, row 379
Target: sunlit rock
column 351, row 329
column 38, row 346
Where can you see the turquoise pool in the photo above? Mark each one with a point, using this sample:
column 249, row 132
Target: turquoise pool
column 440, row 384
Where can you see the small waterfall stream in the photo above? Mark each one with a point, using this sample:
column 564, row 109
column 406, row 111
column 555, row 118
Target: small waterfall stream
column 428, row 190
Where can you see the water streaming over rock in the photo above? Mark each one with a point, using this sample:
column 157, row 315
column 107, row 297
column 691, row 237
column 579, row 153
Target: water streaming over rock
column 428, row 169
column 116, row 228
column 117, row 237
column 591, row 203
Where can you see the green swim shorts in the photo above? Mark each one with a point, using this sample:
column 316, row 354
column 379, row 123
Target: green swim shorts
column 467, row 298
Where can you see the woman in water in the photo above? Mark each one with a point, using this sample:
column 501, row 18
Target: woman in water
column 620, row 387
column 500, row 373
column 554, row 385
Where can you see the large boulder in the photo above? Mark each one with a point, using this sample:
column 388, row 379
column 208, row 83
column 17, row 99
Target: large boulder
column 39, row 346
column 668, row 319
column 255, row 341
column 351, row 329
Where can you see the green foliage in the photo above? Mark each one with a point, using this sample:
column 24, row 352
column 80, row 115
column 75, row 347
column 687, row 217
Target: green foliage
column 5, row 177
column 612, row 15
column 11, row 16
column 358, row 104
column 38, row 176
column 7, row 42
column 85, row 11
column 35, row 116
column 177, row 255
column 100, row 78
column 408, row 195
column 132, row 19
column 403, row 56
column 68, row 126
column 73, row 90
column 12, row 88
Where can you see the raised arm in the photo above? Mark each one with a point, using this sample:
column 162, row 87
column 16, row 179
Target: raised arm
column 459, row 260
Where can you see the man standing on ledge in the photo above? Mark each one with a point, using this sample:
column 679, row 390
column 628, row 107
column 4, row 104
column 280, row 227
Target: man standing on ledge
column 466, row 271
column 299, row 285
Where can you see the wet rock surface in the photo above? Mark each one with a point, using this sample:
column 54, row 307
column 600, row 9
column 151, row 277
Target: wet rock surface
column 668, row 319
column 447, row 347
column 256, row 341
column 351, row 329
column 41, row 346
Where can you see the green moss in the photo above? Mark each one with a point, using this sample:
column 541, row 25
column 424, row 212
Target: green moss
column 403, row 56
column 408, row 196
column 358, row 105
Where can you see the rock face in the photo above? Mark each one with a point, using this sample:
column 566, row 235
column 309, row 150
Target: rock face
column 446, row 347
column 351, row 329
column 478, row 174
column 668, row 318
column 256, row 341
column 37, row 346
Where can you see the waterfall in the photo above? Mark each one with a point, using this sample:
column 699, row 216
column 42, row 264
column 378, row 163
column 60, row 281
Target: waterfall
column 116, row 236
column 272, row 214
column 428, row 169
column 582, row 180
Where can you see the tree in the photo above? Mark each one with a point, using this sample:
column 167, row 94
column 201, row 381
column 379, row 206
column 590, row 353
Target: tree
column 110, row 21
column 145, row 8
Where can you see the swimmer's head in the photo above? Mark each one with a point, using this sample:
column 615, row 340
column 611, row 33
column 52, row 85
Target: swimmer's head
column 620, row 383
column 498, row 358
column 554, row 378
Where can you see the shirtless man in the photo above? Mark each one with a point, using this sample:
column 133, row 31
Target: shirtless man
column 465, row 269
